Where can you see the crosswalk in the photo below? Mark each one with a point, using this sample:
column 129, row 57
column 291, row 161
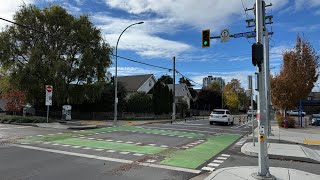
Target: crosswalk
column 215, row 163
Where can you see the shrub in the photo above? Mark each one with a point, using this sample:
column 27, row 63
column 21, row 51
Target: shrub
column 280, row 119
column 291, row 122
column 21, row 119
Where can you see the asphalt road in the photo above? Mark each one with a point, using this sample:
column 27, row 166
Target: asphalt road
column 45, row 153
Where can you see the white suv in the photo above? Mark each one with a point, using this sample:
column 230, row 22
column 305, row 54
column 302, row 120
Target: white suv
column 221, row 115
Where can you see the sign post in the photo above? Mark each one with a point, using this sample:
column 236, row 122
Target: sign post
column 49, row 91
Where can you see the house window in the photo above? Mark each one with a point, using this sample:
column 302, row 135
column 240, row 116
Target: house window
column 150, row 83
column 309, row 98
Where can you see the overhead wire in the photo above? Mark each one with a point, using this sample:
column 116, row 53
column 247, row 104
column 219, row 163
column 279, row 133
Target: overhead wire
column 125, row 58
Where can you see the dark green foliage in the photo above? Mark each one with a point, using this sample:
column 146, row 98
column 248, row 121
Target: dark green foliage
column 71, row 55
column 21, row 119
column 140, row 103
column 162, row 98
column 208, row 99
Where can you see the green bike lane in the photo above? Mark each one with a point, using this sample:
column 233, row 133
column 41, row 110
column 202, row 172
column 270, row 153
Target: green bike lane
column 167, row 147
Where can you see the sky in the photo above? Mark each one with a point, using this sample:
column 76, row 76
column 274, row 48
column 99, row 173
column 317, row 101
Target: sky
column 173, row 28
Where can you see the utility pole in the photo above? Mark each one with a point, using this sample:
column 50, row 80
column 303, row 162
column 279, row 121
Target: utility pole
column 174, row 90
column 267, row 81
column 263, row 170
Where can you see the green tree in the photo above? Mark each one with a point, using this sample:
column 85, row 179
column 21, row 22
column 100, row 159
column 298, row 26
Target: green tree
column 139, row 103
column 70, row 55
column 182, row 107
column 166, row 79
column 162, row 98
column 234, row 95
column 208, row 99
column 215, row 86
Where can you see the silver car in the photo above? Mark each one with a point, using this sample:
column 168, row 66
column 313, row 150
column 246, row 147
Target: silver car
column 221, row 116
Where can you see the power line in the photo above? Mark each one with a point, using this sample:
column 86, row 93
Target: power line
column 125, row 58
column 187, row 78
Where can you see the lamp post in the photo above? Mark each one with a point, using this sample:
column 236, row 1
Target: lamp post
column 116, row 76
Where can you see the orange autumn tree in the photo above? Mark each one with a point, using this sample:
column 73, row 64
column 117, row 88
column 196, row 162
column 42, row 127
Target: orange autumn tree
column 15, row 101
column 297, row 75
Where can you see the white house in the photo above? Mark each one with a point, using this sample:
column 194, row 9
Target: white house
column 181, row 92
column 137, row 83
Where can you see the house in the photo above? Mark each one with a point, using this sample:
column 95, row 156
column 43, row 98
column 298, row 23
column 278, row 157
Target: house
column 137, row 83
column 181, row 92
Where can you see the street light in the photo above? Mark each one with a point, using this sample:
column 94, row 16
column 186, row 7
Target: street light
column 116, row 76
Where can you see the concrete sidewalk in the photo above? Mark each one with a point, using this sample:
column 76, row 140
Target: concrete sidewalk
column 284, row 151
column 245, row 172
column 310, row 135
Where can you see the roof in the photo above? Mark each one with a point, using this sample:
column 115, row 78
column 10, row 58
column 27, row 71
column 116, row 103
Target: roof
column 181, row 90
column 133, row 83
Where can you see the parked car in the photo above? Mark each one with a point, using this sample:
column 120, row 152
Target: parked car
column 315, row 120
column 295, row 113
column 249, row 113
column 221, row 116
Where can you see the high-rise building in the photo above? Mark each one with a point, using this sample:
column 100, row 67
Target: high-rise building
column 208, row 80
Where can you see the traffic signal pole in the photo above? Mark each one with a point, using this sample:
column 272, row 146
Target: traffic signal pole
column 174, row 91
column 263, row 169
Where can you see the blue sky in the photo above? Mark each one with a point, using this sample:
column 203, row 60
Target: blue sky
column 173, row 28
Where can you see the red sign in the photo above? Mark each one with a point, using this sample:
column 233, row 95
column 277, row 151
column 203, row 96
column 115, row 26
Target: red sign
column 49, row 89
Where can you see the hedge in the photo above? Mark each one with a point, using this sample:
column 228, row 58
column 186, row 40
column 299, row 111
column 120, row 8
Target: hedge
column 21, row 119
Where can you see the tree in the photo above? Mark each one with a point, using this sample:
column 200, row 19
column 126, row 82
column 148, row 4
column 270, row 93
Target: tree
column 70, row 55
column 182, row 107
column 162, row 98
column 139, row 103
column 208, row 99
column 235, row 95
column 166, row 79
column 297, row 75
column 216, row 86
column 15, row 101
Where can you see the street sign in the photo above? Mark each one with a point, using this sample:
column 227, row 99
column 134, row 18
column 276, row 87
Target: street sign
column 245, row 34
column 49, row 91
column 225, row 35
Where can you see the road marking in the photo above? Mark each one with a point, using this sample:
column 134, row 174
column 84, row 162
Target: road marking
column 180, row 136
column 207, row 169
column 217, row 161
column 213, row 164
column 46, row 142
column 138, row 154
column 109, row 140
column 151, row 144
column 307, row 141
column 223, row 158
column 96, row 133
column 138, row 143
column 66, row 145
column 225, row 155
column 129, row 142
column 40, row 135
column 55, row 144
column 24, row 143
column 76, row 147
column 199, row 128
column 111, row 151
column 164, row 146
column 82, row 137
column 109, row 159
column 98, row 149
column 119, row 141
column 151, row 161
column 59, row 133
column 100, row 139
column 86, row 148
column 124, row 152
column 179, row 130
column 90, row 138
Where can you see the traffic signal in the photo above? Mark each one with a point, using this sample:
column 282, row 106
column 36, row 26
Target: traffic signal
column 206, row 38
column 257, row 54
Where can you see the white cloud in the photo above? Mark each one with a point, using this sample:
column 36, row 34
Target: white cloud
column 129, row 71
column 310, row 28
column 8, row 8
column 277, row 52
column 204, row 14
column 142, row 38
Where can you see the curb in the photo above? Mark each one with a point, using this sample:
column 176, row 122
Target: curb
column 273, row 156
column 24, row 124
column 82, row 127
